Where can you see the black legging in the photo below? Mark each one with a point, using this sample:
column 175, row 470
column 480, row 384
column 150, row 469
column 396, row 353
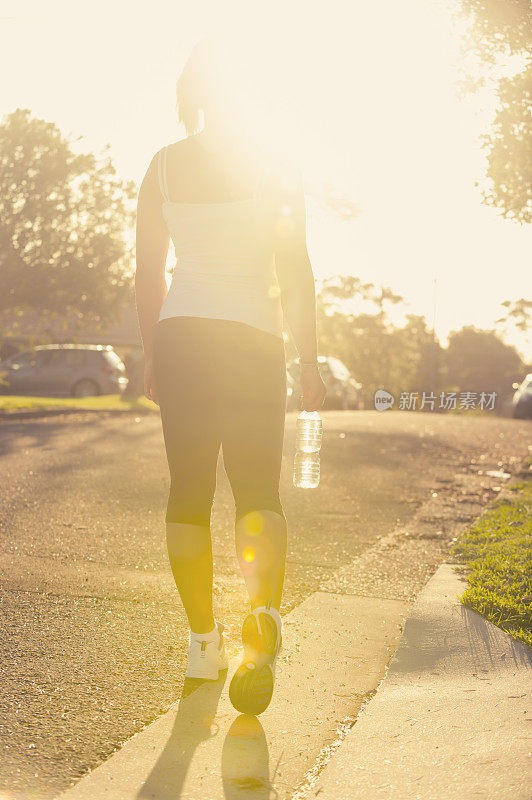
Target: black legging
column 220, row 382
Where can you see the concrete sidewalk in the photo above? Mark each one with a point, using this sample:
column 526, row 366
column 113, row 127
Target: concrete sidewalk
column 452, row 719
column 449, row 720
column 202, row 749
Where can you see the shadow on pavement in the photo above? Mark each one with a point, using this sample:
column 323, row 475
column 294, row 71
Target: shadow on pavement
column 485, row 642
column 194, row 724
column 244, row 761
column 456, row 639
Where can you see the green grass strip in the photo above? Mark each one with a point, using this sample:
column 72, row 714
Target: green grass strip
column 497, row 554
column 104, row 402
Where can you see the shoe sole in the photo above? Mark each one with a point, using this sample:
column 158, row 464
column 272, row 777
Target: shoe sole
column 251, row 687
column 251, row 690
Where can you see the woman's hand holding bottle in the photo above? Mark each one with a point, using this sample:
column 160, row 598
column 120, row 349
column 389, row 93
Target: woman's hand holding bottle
column 312, row 388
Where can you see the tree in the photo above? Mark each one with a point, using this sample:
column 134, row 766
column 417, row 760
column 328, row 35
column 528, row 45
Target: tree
column 478, row 361
column 518, row 313
column 348, row 287
column 501, row 29
column 422, row 355
column 342, row 206
column 65, row 219
column 379, row 354
column 509, row 148
column 498, row 26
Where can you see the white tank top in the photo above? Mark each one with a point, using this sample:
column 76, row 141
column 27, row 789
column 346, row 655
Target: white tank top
column 225, row 265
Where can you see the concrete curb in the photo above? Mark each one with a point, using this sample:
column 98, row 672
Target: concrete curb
column 451, row 721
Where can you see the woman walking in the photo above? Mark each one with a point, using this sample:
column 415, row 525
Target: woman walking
column 215, row 358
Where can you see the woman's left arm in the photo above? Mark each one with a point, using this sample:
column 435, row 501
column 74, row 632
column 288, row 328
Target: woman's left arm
column 152, row 240
column 296, row 280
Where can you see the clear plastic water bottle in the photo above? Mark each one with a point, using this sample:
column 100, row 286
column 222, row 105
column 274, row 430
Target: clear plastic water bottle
column 308, row 445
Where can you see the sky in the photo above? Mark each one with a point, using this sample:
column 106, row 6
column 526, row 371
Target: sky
column 370, row 107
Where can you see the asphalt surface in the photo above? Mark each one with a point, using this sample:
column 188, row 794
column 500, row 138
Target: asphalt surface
column 93, row 636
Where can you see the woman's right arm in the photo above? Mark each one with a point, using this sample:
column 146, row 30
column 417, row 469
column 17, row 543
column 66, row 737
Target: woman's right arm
column 152, row 240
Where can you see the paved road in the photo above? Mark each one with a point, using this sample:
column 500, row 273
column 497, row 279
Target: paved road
column 92, row 636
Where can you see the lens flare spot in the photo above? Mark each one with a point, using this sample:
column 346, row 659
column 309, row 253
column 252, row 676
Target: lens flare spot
column 274, row 291
column 249, row 554
column 253, row 523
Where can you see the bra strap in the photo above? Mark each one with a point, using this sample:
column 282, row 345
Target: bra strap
column 163, row 184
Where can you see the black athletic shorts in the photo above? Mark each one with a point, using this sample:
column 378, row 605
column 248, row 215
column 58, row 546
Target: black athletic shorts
column 220, row 382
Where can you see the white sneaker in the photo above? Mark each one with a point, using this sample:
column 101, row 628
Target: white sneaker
column 206, row 657
column 251, row 687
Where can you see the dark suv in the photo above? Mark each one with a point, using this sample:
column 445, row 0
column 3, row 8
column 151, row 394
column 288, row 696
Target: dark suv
column 64, row 370
column 522, row 399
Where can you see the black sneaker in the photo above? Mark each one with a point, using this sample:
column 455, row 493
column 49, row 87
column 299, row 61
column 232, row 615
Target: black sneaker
column 251, row 687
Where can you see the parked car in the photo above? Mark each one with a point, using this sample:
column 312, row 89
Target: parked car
column 61, row 370
column 343, row 390
column 522, row 399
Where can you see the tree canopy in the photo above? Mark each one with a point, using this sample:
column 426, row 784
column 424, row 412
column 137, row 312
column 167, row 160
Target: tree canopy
column 408, row 357
column 479, row 361
column 499, row 30
column 509, row 147
column 65, row 225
